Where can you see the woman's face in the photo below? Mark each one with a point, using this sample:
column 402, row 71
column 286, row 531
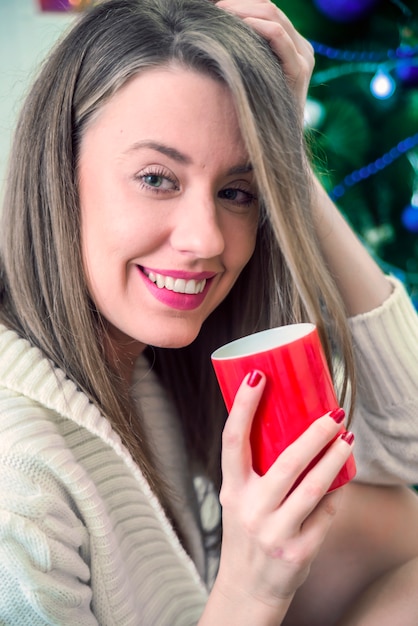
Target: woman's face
column 168, row 206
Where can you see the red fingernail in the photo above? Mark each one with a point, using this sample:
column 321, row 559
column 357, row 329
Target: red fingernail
column 337, row 415
column 348, row 437
column 253, row 379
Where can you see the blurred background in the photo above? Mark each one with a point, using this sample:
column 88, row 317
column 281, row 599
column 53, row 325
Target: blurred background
column 362, row 119
column 26, row 35
column 361, row 116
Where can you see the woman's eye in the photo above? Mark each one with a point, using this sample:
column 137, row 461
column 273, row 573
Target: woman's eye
column 153, row 180
column 156, row 181
column 238, row 196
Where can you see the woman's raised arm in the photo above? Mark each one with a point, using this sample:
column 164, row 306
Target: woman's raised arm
column 362, row 284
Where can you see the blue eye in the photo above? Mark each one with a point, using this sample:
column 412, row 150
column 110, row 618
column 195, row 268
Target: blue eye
column 237, row 196
column 156, row 181
column 230, row 194
column 153, row 180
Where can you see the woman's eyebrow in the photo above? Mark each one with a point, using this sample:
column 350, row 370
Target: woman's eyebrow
column 172, row 153
column 240, row 169
column 180, row 157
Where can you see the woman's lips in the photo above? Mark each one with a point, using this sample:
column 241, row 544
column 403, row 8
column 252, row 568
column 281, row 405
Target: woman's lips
column 190, row 286
column 177, row 289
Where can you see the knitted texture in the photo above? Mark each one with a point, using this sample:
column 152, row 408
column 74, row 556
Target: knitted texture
column 83, row 540
column 386, row 420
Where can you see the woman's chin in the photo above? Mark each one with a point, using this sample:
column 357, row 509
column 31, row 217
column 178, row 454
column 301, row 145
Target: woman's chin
column 178, row 339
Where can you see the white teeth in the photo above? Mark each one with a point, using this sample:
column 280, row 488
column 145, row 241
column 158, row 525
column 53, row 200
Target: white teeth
column 179, row 285
column 160, row 281
column 190, row 286
column 169, row 283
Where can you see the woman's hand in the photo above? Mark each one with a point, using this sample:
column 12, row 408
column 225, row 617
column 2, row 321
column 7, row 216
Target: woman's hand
column 294, row 51
column 269, row 537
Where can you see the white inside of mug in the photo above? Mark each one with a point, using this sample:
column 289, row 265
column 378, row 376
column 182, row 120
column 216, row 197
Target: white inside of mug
column 263, row 341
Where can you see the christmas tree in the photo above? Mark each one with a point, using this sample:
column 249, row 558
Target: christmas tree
column 362, row 119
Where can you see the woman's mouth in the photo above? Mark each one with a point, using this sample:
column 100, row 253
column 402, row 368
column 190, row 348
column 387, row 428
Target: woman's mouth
column 176, row 289
column 179, row 285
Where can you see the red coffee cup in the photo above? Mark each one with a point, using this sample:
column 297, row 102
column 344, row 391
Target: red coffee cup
column 298, row 389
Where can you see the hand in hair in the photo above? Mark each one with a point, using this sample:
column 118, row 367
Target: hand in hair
column 294, row 51
column 360, row 281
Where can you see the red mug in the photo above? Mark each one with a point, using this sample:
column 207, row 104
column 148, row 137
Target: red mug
column 298, row 389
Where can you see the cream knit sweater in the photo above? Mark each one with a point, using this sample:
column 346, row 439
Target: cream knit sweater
column 82, row 539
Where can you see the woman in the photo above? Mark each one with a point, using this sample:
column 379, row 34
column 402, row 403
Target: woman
column 156, row 208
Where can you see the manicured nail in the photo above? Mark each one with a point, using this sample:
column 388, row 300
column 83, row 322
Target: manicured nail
column 337, row 415
column 348, row 437
column 253, row 379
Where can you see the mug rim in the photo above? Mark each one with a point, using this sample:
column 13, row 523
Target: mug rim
column 263, row 341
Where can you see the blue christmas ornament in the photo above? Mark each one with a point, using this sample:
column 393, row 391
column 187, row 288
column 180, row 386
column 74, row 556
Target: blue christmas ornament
column 345, row 10
column 409, row 218
column 407, row 72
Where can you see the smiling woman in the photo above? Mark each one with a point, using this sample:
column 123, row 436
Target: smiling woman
column 181, row 202
column 160, row 194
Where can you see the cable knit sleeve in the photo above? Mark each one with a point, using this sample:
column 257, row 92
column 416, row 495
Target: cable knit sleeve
column 43, row 575
column 386, row 417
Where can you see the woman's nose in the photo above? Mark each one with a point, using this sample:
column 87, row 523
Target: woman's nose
column 197, row 229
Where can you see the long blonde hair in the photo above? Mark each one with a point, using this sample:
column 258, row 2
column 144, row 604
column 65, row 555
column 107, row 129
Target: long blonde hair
column 48, row 303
